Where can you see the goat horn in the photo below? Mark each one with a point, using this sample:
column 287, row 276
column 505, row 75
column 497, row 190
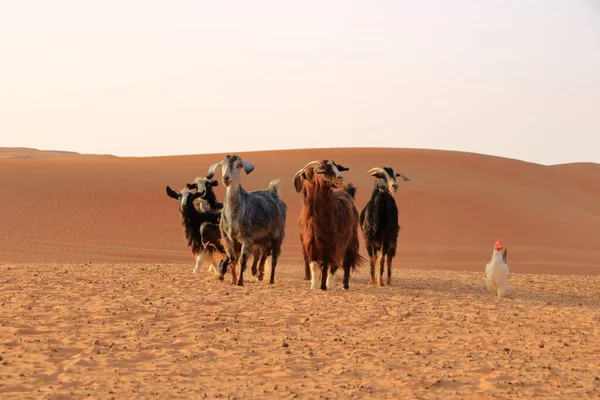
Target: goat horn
column 306, row 166
column 309, row 164
column 297, row 181
column 213, row 168
column 376, row 169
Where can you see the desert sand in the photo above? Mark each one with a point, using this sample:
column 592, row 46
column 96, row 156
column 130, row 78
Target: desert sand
column 128, row 331
column 97, row 298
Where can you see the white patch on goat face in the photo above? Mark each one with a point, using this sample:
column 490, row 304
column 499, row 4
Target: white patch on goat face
column 391, row 181
column 200, row 185
column 230, row 173
column 184, row 196
column 338, row 174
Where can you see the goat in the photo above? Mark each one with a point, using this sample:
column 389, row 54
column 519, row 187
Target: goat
column 379, row 222
column 193, row 222
column 307, row 274
column 328, row 221
column 249, row 220
column 209, row 203
column 208, row 199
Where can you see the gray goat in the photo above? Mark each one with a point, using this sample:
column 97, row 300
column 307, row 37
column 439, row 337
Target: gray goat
column 250, row 221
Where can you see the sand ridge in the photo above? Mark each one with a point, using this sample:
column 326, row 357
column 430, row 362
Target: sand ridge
column 111, row 209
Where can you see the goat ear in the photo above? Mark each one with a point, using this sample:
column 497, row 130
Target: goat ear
column 213, row 168
column 247, row 166
column 404, row 178
column 214, row 183
column 298, row 181
column 341, row 168
column 171, row 193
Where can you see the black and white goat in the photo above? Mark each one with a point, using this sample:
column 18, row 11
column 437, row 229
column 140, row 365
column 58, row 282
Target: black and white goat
column 250, row 221
column 207, row 250
column 379, row 222
column 207, row 197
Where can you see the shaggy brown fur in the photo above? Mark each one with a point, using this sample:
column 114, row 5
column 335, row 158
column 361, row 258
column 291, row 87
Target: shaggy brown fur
column 328, row 221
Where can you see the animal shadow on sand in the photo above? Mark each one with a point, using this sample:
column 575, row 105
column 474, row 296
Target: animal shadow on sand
column 558, row 291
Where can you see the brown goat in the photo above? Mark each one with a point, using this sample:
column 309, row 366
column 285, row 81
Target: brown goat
column 328, row 222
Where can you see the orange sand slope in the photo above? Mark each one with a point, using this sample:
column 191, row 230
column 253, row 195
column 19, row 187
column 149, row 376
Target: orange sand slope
column 79, row 208
column 158, row 331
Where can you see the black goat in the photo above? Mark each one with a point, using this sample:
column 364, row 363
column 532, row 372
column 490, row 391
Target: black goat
column 192, row 221
column 379, row 222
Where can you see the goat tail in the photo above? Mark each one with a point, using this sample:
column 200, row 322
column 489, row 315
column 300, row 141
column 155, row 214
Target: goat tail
column 274, row 186
column 354, row 261
column 357, row 264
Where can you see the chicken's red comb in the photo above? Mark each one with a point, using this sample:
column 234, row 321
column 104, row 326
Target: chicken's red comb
column 499, row 241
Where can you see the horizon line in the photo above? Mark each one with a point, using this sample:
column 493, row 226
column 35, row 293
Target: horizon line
column 73, row 152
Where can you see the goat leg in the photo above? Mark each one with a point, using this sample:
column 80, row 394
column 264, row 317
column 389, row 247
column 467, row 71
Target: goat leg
column 324, row 273
column 274, row 258
column 381, row 268
column 389, row 270
column 232, row 262
column 306, row 268
column 223, row 268
column 331, row 277
column 372, row 256
column 243, row 262
column 198, row 262
column 346, row 276
column 255, row 259
column 313, row 275
column 261, row 266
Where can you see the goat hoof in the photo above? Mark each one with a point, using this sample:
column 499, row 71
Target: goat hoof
column 221, row 278
column 272, row 282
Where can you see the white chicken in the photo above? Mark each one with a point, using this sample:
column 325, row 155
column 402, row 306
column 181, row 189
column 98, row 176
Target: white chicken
column 496, row 271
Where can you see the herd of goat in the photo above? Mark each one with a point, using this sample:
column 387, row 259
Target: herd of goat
column 253, row 223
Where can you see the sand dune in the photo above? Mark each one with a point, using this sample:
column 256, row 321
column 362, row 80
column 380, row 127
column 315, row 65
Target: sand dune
column 25, row 153
column 107, row 209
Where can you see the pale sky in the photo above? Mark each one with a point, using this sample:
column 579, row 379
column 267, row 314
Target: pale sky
column 514, row 78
